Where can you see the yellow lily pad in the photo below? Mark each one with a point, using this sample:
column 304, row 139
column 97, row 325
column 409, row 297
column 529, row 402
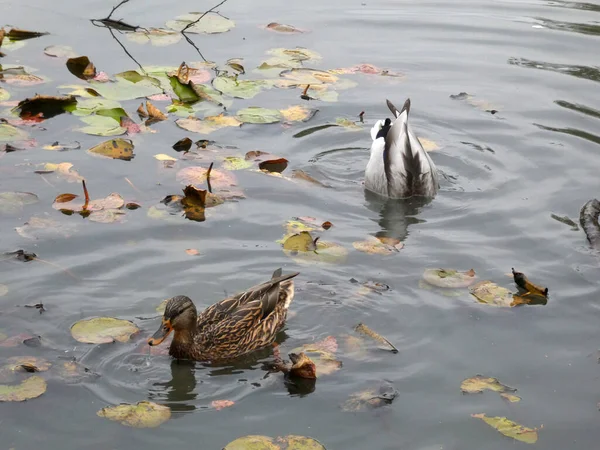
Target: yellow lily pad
column 236, row 163
column 376, row 247
column 32, row 387
column 211, row 23
column 101, row 330
column 290, row 442
column 510, row 397
column 509, row 428
column 27, row 364
column 491, row 294
column 115, row 149
column 208, row 124
column 163, row 157
column 254, row 114
column 298, row 113
column 449, row 278
column 141, row 415
column 478, row 384
column 64, row 170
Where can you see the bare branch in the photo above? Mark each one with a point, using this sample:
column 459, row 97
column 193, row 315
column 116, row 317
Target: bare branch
column 115, row 8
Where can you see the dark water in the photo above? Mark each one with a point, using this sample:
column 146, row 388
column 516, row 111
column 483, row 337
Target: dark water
column 535, row 62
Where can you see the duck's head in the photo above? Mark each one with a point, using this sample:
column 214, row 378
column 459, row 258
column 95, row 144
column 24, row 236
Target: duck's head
column 180, row 314
column 381, row 128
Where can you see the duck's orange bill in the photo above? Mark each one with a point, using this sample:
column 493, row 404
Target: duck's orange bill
column 161, row 333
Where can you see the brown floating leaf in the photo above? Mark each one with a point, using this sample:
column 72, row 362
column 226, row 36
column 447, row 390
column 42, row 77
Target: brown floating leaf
column 376, row 247
column 156, row 115
column 449, row 278
column 323, row 359
column 522, row 281
column 32, row 387
column 196, row 175
column 117, row 148
column 371, row 398
column 282, row 28
column 510, row 428
column 302, row 366
column 183, row 145
column 363, row 329
column 478, row 384
column 302, row 175
column 192, row 251
column 44, row 106
column 266, row 161
column 81, row 67
column 141, row 111
column 141, row 415
column 17, row 34
column 220, row 404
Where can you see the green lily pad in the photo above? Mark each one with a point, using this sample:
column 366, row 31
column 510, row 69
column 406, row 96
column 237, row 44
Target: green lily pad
column 510, row 429
column 185, row 93
column 449, row 278
column 290, row 442
column 158, row 37
column 8, row 133
column 13, row 202
column 91, row 105
column 32, row 387
column 102, row 330
column 208, row 124
column 128, row 86
column 101, row 126
column 141, row 415
column 254, row 114
column 236, row 163
column 211, row 23
column 245, row 89
column 4, row 94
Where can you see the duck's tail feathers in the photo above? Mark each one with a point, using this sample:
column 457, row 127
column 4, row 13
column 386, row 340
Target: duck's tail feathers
column 395, row 111
column 277, row 273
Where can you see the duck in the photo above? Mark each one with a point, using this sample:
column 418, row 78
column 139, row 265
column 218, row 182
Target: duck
column 399, row 167
column 230, row 328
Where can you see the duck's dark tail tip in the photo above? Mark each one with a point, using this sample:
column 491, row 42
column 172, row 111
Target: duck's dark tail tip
column 277, row 273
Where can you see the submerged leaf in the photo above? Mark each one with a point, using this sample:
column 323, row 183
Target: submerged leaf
column 40, row 228
column 376, row 247
column 143, row 414
column 18, row 76
column 236, row 163
column 210, row 23
column 220, row 404
column 115, row 148
column 13, row 202
column 208, row 124
column 196, row 175
column 102, row 330
column 32, row 387
column 449, row 278
column 254, row 114
column 509, row 428
column 371, row 398
column 282, row 28
column 64, row 170
column 478, row 384
column 365, row 330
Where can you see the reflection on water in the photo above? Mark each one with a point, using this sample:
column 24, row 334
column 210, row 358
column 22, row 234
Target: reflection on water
column 575, row 5
column 586, row 72
column 579, row 108
column 582, row 28
column 573, row 132
column 395, row 215
column 179, row 392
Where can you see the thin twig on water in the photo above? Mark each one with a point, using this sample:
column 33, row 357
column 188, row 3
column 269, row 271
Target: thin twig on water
column 125, row 50
column 115, row 8
column 208, row 177
column 191, row 24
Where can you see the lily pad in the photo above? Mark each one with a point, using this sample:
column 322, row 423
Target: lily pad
column 32, row 387
column 141, row 415
column 282, row 28
column 115, row 149
column 60, row 51
column 208, row 124
column 102, row 330
column 449, row 278
column 236, row 163
column 322, row 356
column 510, row 429
column 211, row 23
column 309, row 76
column 478, row 384
column 64, row 170
column 491, row 294
column 245, row 89
column 4, row 95
column 303, row 249
column 158, row 37
column 13, row 202
column 43, row 227
column 375, row 247
column 298, row 113
column 8, row 133
column 254, row 114
column 128, row 87
column 102, row 126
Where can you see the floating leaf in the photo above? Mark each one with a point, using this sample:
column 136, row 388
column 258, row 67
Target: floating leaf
column 302, row 366
column 324, row 359
column 282, row 28
column 511, row 398
column 102, row 330
column 208, row 124
column 28, row 364
column 220, row 404
column 376, row 247
column 509, row 428
column 301, row 242
column 63, row 170
column 478, row 384
column 141, row 415
column 56, row 146
column 158, row 37
column 245, row 89
column 449, row 278
column 60, row 51
column 295, row 54
column 32, row 387
column 254, row 114
column 365, row 330
column 44, row 106
column 371, row 398
column 81, row 67
column 183, row 145
column 301, row 250
column 236, row 163
column 17, row 34
column 236, row 65
column 8, row 133
column 102, row 126
column 196, row 175
column 210, row 23
column 522, row 281
column 155, row 114
column 18, row 76
column 163, row 157
column 128, row 86
column 42, row 228
column 490, row 293
column 13, row 202
column 298, row 113
column 115, row 148
column 186, row 74
column 4, row 95
column 309, row 76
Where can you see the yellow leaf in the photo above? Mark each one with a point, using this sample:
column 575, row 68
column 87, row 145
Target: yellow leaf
column 32, row 387
column 298, row 113
column 117, row 148
column 510, row 428
column 208, row 124
column 141, row 415
column 428, row 146
column 479, row 384
column 163, row 157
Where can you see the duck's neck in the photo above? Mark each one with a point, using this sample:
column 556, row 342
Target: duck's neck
column 183, row 343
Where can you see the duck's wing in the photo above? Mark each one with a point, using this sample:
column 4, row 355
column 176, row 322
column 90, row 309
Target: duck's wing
column 408, row 167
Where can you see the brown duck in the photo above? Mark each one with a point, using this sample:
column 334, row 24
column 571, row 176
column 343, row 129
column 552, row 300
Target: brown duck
column 230, row 328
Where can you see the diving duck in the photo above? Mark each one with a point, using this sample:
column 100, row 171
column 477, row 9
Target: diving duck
column 399, row 167
column 231, row 327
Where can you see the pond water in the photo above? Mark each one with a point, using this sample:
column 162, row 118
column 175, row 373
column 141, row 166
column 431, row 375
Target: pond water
column 534, row 63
